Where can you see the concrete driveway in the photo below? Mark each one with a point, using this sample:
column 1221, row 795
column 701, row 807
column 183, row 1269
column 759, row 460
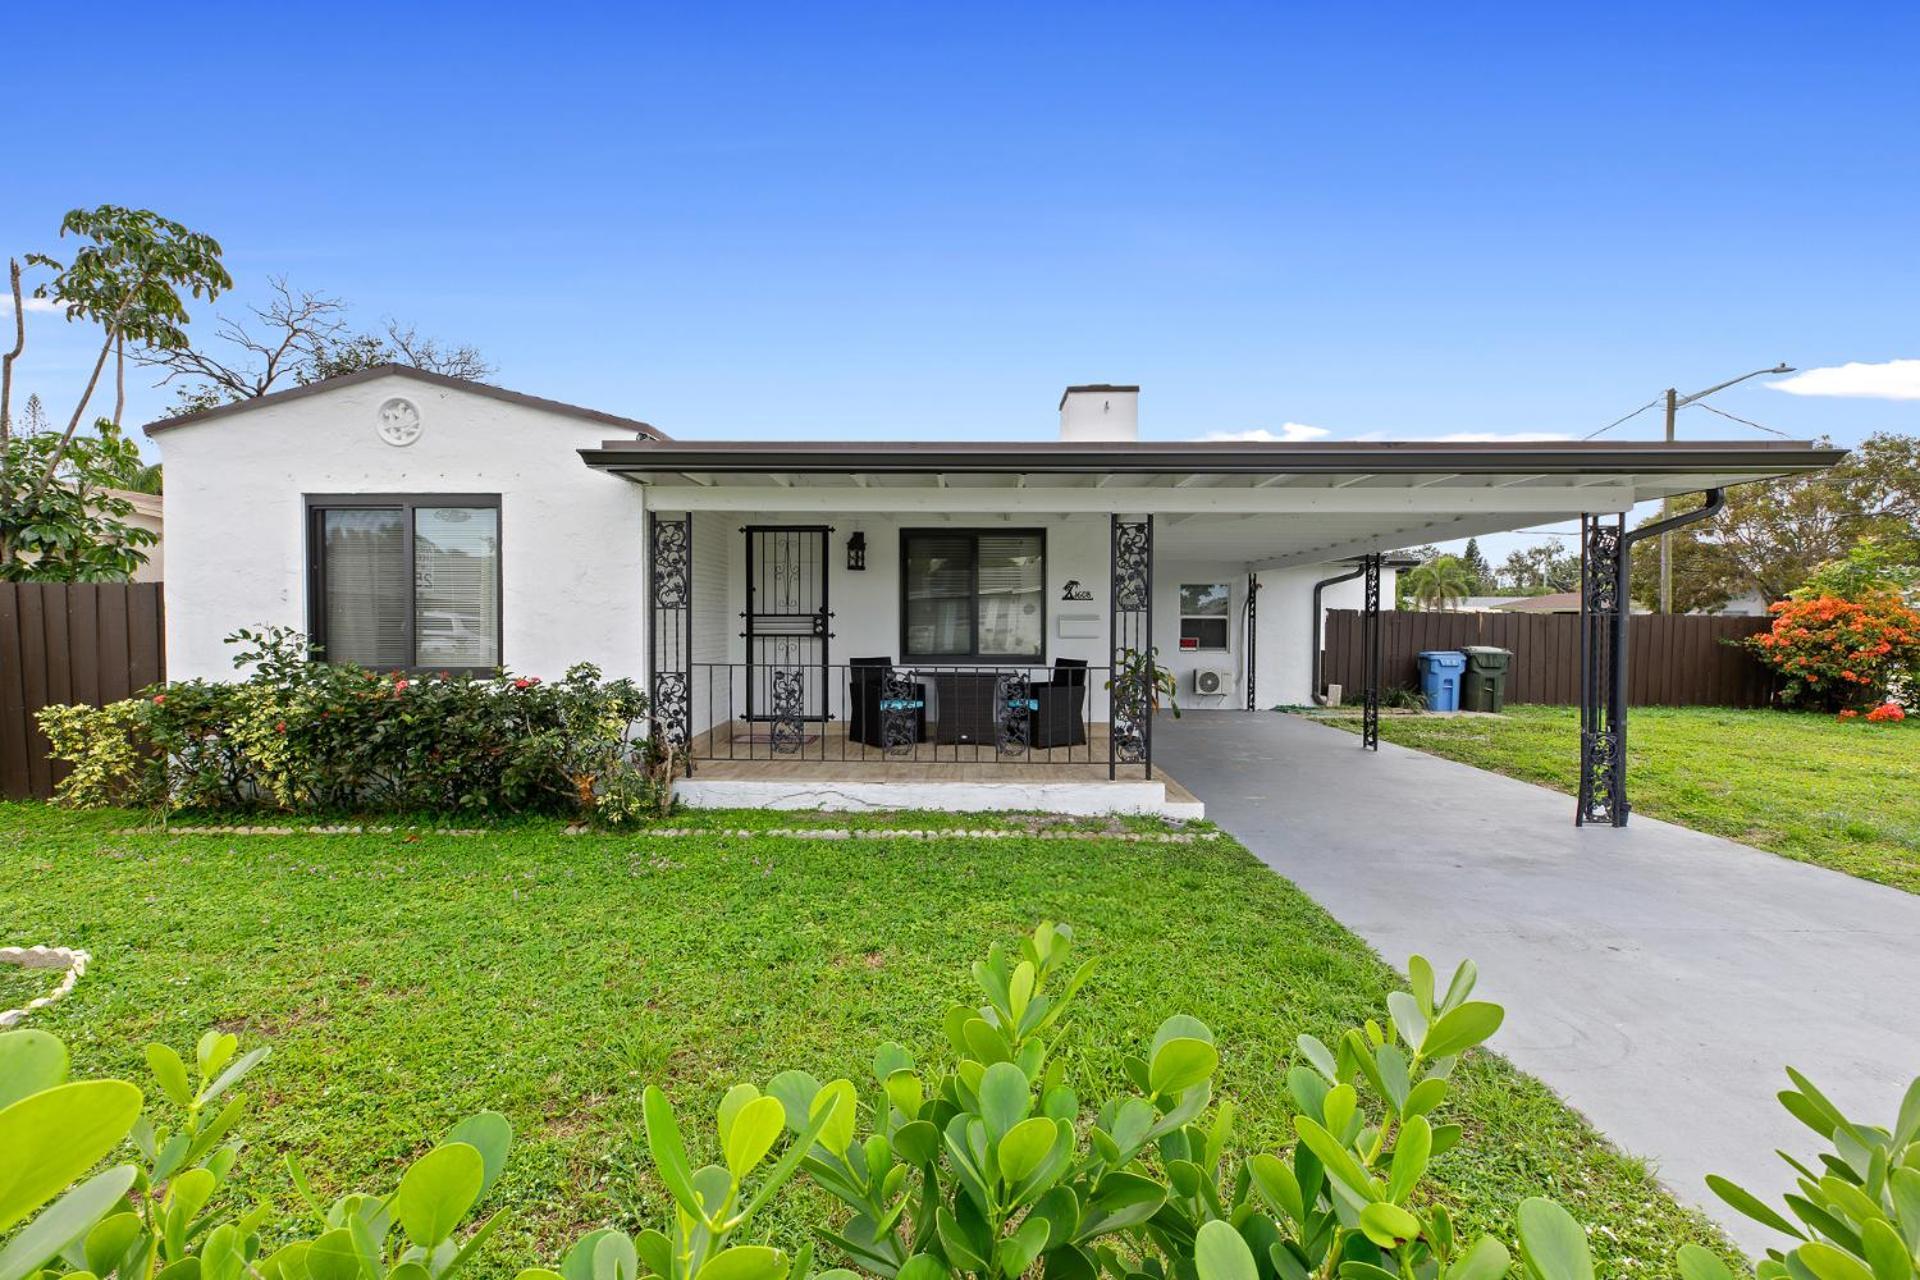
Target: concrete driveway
column 1657, row 978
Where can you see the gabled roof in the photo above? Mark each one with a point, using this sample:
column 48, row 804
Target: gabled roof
column 418, row 375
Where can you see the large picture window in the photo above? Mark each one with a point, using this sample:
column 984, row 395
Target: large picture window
column 406, row 582
column 973, row 593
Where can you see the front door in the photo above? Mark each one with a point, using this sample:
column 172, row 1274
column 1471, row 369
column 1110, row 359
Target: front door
column 787, row 625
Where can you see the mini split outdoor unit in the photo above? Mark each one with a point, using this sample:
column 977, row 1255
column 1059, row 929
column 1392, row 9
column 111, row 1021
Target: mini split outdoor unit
column 1211, row 680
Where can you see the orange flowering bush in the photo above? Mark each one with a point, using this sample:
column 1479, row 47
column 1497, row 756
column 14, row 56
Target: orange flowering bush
column 1841, row 655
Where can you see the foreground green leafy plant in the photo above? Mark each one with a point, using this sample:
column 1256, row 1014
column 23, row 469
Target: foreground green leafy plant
column 133, row 1219
column 989, row 1167
column 1855, row 1217
column 1347, row 1202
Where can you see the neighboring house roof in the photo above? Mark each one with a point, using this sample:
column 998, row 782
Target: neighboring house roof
column 1480, row 604
column 417, row 375
column 1552, row 602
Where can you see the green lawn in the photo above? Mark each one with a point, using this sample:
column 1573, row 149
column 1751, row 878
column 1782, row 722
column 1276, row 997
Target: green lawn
column 1844, row 795
column 403, row 980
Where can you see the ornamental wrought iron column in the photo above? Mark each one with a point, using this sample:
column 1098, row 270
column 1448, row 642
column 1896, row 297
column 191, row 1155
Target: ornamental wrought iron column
column 1253, row 633
column 1370, row 647
column 1130, row 637
column 670, row 630
column 1603, row 672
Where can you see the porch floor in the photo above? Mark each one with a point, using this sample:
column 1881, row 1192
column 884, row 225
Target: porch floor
column 830, row 761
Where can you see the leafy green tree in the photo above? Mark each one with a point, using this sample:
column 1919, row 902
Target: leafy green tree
column 1539, row 570
column 1476, row 565
column 1402, row 596
column 131, row 275
column 1440, row 583
column 72, row 530
column 1705, row 576
column 1871, row 567
column 1772, row 536
column 129, row 280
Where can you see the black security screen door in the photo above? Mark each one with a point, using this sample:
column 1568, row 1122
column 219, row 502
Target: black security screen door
column 787, row 622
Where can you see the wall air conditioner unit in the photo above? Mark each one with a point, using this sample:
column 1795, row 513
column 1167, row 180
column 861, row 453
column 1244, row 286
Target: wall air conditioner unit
column 1211, row 680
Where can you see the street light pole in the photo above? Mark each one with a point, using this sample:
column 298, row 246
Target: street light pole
column 1666, row 511
column 1675, row 402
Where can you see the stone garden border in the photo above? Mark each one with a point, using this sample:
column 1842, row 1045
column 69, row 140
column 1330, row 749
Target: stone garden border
column 43, row 957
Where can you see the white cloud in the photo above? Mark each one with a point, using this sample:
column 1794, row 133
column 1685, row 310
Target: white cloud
column 1888, row 380
column 32, row 304
column 1289, row 432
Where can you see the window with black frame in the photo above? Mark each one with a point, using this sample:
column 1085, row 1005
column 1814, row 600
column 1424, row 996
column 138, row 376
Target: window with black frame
column 404, row 583
column 973, row 595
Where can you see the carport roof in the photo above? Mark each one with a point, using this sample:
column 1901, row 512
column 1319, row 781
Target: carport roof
column 1674, row 467
column 1268, row 505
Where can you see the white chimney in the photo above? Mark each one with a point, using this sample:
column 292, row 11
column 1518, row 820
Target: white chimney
column 1100, row 412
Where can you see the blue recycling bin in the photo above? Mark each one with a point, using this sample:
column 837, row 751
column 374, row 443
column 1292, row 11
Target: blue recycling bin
column 1440, row 672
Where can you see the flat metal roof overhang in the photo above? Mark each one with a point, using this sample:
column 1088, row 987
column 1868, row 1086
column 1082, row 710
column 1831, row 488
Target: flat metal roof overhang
column 1267, row 505
column 1693, row 464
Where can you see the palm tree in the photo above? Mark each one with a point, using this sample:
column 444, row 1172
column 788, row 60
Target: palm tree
column 1440, row 583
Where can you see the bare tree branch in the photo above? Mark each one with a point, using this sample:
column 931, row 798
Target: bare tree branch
column 463, row 361
column 19, row 345
column 293, row 330
column 300, row 336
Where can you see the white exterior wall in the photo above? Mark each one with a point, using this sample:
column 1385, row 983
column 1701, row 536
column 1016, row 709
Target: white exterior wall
column 866, row 605
column 1283, row 657
column 572, row 540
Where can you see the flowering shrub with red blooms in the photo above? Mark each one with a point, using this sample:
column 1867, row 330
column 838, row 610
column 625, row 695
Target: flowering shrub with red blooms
column 1837, row 655
column 1887, row 712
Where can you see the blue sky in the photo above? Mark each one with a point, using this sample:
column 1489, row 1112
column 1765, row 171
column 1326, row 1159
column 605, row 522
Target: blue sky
column 923, row 221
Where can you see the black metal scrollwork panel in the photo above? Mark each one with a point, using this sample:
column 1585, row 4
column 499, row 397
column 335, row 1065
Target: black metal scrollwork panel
column 1600, row 567
column 672, row 563
column 673, row 707
column 1600, row 781
column 1132, row 565
column 1013, row 719
column 787, row 732
column 1132, row 705
column 900, row 705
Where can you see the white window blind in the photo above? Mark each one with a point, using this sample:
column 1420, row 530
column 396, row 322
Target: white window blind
column 366, row 596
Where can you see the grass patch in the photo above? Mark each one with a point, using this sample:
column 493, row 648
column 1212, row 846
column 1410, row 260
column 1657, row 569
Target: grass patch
column 1808, row 787
column 406, row 979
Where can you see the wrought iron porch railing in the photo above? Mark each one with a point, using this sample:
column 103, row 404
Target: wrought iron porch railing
column 915, row 713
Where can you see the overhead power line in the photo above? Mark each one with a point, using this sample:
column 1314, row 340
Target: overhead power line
column 1625, row 417
column 1748, row 422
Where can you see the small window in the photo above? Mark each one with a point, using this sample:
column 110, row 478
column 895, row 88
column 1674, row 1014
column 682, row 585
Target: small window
column 400, row 583
column 973, row 594
column 1204, row 614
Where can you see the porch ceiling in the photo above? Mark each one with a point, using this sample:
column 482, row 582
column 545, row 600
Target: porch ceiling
column 1264, row 505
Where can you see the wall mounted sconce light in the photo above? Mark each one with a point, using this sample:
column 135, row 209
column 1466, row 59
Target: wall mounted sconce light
column 856, row 551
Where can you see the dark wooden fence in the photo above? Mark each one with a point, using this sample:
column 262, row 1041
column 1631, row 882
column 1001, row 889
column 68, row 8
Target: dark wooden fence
column 68, row 642
column 1672, row 661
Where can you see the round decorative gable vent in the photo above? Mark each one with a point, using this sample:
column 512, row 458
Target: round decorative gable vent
column 399, row 422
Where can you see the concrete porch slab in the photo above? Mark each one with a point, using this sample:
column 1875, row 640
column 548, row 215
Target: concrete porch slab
column 849, row 795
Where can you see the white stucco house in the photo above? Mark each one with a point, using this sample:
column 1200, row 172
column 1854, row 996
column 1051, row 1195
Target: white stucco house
column 938, row 624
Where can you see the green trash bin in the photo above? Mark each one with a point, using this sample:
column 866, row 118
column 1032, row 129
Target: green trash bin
column 1484, row 688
